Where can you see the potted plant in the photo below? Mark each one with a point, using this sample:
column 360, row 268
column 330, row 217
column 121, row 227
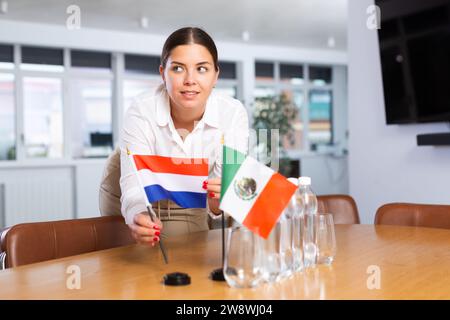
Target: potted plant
column 279, row 113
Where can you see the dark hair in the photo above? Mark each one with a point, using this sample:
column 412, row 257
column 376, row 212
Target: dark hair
column 189, row 35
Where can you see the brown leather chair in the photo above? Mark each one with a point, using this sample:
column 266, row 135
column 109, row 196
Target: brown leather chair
column 343, row 208
column 413, row 214
column 34, row 242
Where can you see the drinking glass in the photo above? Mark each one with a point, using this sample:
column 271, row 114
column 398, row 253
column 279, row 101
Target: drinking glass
column 270, row 257
column 243, row 258
column 326, row 239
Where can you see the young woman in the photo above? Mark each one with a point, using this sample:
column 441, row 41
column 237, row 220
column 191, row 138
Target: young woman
column 182, row 118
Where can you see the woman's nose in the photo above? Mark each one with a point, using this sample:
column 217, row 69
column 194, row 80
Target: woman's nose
column 189, row 78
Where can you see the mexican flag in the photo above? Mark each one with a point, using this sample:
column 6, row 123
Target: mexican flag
column 253, row 194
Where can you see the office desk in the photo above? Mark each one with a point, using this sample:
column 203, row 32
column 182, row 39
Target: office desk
column 414, row 264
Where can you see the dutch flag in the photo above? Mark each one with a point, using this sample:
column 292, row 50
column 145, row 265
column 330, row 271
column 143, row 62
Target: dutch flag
column 176, row 179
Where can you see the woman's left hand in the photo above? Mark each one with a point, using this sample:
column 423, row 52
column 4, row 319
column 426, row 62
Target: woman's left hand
column 212, row 186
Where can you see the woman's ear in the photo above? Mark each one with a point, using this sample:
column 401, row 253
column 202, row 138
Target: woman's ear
column 161, row 72
column 217, row 76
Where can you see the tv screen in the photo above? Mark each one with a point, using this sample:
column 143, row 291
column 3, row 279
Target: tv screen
column 414, row 46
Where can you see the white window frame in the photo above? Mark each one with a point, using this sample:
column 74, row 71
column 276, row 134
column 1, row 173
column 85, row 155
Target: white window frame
column 305, row 87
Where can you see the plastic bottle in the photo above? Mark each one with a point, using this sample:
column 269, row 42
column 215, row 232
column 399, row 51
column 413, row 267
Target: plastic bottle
column 309, row 203
column 296, row 211
column 286, row 251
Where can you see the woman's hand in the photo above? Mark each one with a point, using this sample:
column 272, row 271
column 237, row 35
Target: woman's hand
column 212, row 186
column 144, row 231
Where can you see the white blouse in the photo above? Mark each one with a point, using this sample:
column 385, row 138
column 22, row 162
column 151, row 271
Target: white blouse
column 148, row 129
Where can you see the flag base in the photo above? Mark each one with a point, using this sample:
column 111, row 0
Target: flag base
column 217, row 275
column 177, row 279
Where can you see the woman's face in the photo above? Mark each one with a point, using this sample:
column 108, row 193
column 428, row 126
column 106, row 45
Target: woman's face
column 189, row 76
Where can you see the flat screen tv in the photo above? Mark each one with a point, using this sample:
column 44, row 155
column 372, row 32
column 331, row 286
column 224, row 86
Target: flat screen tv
column 414, row 41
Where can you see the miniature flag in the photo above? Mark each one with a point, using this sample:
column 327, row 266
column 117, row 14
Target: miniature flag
column 253, row 194
column 176, row 179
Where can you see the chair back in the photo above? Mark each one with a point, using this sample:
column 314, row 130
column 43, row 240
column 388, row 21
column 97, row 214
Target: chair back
column 413, row 214
column 34, row 242
column 343, row 207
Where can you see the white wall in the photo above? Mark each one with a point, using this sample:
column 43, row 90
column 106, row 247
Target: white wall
column 329, row 173
column 385, row 163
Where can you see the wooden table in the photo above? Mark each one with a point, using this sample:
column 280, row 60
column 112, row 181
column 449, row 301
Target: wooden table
column 414, row 263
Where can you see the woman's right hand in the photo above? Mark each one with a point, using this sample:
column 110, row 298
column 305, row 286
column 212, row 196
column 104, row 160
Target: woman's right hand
column 144, row 231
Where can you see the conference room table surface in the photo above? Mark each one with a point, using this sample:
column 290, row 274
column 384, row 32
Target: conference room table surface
column 372, row 262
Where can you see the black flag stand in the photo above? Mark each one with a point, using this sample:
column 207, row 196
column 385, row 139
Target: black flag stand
column 174, row 278
column 218, row 274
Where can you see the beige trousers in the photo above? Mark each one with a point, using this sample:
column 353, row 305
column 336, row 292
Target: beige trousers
column 177, row 220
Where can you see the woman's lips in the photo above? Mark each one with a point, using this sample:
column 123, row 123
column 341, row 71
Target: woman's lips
column 189, row 94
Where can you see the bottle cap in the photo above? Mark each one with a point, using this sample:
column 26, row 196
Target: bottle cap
column 293, row 180
column 177, row 279
column 305, row 181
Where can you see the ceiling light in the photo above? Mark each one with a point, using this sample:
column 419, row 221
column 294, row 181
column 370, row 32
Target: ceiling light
column 331, row 42
column 3, row 7
column 245, row 35
column 144, row 22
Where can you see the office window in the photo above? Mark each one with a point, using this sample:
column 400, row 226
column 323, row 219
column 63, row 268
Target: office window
column 90, row 59
column 264, row 92
column 141, row 75
column 228, row 83
column 265, row 82
column 296, row 98
column 134, row 87
column 320, row 120
column 142, row 64
column 91, row 117
column 320, row 75
column 264, row 71
column 42, row 59
column 315, row 92
column 43, row 119
column 230, row 91
column 7, row 117
column 227, row 70
column 6, row 57
column 291, row 73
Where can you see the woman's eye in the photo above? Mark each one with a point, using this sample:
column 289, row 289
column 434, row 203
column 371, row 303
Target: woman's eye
column 202, row 69
column 177, row 69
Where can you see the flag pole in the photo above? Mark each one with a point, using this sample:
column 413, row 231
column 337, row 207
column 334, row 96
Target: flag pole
column 219, row 274
column 150, row 210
